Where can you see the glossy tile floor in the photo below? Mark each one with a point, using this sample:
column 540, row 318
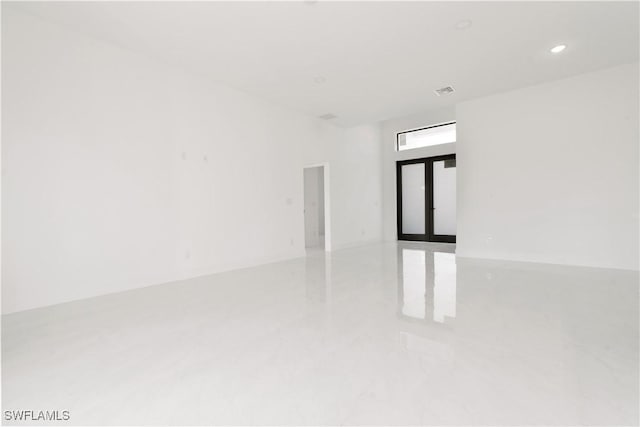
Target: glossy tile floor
column 383, row 334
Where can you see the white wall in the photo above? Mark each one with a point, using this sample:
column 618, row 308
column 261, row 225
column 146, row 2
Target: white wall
column 390, row 128
column 120, row 172
column 356, row 188
column 550, row 173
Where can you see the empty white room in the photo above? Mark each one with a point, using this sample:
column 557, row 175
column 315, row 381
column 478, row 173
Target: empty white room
column 320, row 212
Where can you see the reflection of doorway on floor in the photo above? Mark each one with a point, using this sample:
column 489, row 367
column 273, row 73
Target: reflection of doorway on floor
column 314, row 221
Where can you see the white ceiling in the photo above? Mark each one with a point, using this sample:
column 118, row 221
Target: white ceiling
column 378, row 59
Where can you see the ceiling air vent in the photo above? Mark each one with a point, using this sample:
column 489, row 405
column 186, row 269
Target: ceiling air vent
column 327, row 116
column 444, row 90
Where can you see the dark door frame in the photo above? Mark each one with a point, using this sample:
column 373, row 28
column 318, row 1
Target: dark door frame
column 429, row 236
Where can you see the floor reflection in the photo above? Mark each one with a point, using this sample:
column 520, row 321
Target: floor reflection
column 384, row 334
column 444, row 286
column 317, row 266
column 427, row 284
column 414, row 279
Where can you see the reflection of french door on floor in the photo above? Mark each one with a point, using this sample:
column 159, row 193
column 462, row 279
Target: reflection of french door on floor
column 426, row 199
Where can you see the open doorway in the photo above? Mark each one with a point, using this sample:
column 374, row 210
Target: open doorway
column 316, row 230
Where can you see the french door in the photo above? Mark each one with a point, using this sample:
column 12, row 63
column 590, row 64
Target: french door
column 426, row 199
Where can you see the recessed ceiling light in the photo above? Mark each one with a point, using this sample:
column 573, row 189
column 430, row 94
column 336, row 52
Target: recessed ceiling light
column 559, row 48
column 464, row 24
column 319, row 80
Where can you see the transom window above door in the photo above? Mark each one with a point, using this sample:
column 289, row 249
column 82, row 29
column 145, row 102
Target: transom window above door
column 444, row 133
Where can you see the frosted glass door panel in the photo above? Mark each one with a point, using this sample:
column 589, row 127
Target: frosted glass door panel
column 444, row 199
column 413, row 199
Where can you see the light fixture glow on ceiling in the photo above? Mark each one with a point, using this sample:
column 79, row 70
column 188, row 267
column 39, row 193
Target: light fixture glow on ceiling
column 464, row 24
column 559, row 48
column 328, row 116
